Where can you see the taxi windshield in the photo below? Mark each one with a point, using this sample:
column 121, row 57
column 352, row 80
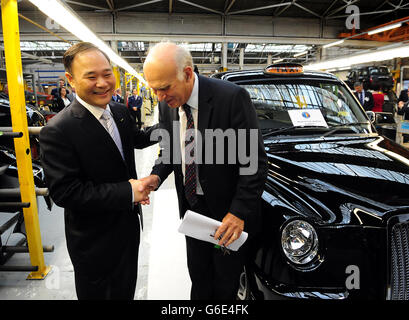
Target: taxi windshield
column 306, row 104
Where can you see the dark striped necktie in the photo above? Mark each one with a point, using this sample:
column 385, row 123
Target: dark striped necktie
column 190, row 165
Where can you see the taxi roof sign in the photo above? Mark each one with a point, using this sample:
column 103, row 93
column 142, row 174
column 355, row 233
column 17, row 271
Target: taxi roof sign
column 284, row 68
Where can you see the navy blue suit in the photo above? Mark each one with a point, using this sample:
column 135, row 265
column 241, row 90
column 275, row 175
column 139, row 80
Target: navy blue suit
column 135, row 102
column 222, row 105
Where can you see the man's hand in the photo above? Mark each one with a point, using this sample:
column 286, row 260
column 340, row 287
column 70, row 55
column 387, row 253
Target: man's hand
column 231, row 228
column 150, row 183
column 401, row 104
column 140, row 193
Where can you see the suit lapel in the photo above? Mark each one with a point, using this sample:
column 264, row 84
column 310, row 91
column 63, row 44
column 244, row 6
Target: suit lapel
column 120, row 123
column 95, row 130
column 205, row 108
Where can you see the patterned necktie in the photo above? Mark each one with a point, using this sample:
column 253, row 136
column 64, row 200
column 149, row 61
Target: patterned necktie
column 190, row 165
column 109, row 125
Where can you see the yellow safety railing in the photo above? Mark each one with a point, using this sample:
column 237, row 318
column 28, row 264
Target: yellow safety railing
column 11, row 36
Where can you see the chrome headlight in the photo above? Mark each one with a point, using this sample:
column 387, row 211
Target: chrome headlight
column 299, row 241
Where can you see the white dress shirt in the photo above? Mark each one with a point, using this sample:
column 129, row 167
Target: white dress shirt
column 97, row 113
column 66, row 101
column 193, row 102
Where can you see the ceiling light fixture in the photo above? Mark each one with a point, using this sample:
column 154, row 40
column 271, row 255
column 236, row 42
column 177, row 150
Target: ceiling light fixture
column 333, row 43
column 385, row 28
column 68, row 19
column 300, row 54
column 401, row 51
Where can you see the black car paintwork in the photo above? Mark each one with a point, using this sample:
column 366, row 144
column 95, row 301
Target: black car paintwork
column 344, row 187
column 348, row 186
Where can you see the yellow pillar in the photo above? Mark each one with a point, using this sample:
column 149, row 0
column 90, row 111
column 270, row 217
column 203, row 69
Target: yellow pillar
column 117, row 77
column 138, row 85
column 15, row 82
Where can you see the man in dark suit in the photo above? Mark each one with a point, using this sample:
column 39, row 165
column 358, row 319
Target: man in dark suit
column 117, row 96
column 89, row 165
column 135, row 105
column 218, row 190
column 56, row 91
column 403, row 110
column 403, row 96
column 364, row 97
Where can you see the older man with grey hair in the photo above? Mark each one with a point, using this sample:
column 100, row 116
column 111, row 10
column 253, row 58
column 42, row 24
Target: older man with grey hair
column 365, row 97
column 219, row 191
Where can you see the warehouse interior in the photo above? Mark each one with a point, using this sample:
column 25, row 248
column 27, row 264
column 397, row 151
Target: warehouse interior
column 222, row 35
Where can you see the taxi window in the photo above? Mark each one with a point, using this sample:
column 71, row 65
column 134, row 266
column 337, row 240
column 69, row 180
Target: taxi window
column 273, row 102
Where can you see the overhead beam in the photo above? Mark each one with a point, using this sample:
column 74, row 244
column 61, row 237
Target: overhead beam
column 307, row 10
column 383, row 3
column 41, row 27
column 363, row 13
column 205, row 38
column 329, row 8
column 201, row 7
column 32, row 56
column 86, row 5
column 341, row 8
column 111, row 4
column 402, row 7
column 229, row 6
column 279, row 11
column 138, row 5
column 261, row 8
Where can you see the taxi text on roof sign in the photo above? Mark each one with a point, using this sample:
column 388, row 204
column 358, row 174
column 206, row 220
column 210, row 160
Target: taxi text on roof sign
column 285, row 68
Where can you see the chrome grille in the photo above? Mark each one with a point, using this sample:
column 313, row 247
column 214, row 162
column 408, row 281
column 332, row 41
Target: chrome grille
column 400, row 261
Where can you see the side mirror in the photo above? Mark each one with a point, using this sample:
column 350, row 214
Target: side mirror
column 371, row 116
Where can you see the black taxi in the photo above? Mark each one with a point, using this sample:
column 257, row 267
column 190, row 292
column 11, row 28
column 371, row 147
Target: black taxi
column 336, row 201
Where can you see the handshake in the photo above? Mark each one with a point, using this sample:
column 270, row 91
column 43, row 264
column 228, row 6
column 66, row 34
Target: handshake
column 141, row 188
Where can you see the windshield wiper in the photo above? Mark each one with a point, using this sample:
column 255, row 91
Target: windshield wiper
column 341, row 126
column 289, row 128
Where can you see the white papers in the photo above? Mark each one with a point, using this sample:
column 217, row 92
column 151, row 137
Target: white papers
column 307, row 117
column 203, row 228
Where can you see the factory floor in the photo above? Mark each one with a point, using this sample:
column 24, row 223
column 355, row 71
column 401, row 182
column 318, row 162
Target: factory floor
column 161, row 246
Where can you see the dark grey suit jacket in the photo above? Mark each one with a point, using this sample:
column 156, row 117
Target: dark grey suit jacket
column 87, row 176
column 222, row 105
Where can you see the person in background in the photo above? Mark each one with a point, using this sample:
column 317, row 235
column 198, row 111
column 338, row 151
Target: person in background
column 127, row 95
column 364, row 97
column 71, row 95
column 62, row 100
column 378, row 100
column 403, row 96
column 6, row 90
column 56, row 91
column 135, row 106
column 403, row 109
column 117, row 97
